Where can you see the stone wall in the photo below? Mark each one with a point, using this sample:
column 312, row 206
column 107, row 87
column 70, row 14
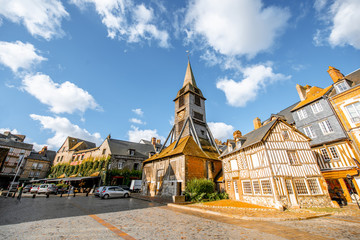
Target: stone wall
column 320, row 201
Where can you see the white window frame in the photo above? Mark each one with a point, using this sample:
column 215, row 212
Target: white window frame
column 317, row 185
column 40, row 166
column 341, row 86
column 309, row 131
column 316, row 107
column 302, row 114
column 293, row 157
column 356, row 110
column 234, row 165
column 243, row 187
column 326, row 127
column 304, row 183
column 254, row 188
column 120, row 165
column 324, row 154
column 262, row 186
column 334, row 152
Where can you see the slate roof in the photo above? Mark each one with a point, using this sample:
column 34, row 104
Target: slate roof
column 187, row 146
column 15, row 144
column 149, row 142
column 354, row 76
column 120, row 147
column 252, row 137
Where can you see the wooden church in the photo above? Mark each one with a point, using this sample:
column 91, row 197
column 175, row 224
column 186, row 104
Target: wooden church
column 191, row 151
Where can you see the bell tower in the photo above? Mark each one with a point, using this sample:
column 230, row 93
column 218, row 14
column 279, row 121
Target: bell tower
column 190, row 115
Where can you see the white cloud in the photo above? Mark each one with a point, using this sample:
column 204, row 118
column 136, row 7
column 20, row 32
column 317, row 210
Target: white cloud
column 62, row 98
column 135, row 134
column 340, row 20
column 220, row 130
column 13, row 131
column 236, row 27
column 346, row 23
column 40, row 17
column 137, row 121
column 126, row 20
column 62, row 128
column 17, row 55
column 138, row 111
column 239, row 93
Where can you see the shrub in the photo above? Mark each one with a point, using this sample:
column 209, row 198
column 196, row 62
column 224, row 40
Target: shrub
column 198, row 189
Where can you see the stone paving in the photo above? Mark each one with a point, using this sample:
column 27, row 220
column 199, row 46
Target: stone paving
column 136, row 219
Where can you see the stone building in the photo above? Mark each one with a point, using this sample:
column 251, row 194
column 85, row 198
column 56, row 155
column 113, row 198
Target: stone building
column 273, row 166
column 12, row 151
column 121, row 154
column 37, row 165
column 316, row 117
column 192, row 151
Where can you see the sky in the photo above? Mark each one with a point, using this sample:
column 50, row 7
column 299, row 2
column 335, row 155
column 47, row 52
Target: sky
column 90, row 68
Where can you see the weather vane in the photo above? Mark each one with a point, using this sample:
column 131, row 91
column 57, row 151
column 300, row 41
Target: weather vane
column 188, row 54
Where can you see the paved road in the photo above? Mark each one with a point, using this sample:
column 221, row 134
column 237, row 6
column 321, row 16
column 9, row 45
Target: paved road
column 89, row 217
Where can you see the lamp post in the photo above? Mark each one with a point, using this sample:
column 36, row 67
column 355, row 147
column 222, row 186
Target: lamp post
column 349, row 179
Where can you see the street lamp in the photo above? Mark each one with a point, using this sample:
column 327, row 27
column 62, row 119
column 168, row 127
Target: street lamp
column 349, row 178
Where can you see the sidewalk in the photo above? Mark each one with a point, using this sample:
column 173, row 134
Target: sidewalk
column 246, row 211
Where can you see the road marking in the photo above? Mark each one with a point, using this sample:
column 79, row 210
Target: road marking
column 112, row 228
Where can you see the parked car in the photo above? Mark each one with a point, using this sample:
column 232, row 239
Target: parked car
column 27, row 188
column 34, row 188
column 125, row 187
column 113, row 192
column 47, row 189
column 135, row 185
column 98, row 190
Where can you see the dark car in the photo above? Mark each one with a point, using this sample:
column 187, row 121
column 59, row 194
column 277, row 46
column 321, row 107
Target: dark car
column 125, row 187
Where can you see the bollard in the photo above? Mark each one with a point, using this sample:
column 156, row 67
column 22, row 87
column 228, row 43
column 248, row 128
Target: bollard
column 47, row 195
column 74, row 193
column 61, row 194
column 33, row 196
column 87, row 193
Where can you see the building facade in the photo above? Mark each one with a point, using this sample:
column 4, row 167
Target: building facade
column 192, row 152
column 315, row 117
column 13, row 153
column 273, row 166
column 37, row 165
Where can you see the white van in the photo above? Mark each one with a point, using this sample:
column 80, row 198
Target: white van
column 135, row 185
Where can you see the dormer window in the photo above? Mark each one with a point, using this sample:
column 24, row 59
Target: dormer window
column 131, row 152
column 342, row 86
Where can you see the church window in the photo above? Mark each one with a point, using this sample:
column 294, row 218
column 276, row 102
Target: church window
column 266, row 187
column 197, row 100
column 198, row 116
column 181, row 101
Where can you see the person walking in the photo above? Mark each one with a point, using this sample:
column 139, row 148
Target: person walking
column 19, row 194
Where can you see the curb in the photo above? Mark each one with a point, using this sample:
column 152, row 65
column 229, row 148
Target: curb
column 148, row 200
column 245, row 217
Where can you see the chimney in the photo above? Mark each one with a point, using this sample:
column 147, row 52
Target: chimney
column 43, row 150
column 158, row 141
column 335, row 74
column 237, row 134
column 301, row 91
column 257, row 123
column 153, row 141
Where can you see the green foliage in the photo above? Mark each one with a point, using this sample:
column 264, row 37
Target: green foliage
column 198, row 190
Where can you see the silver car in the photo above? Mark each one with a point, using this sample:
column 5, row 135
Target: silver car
column 47, row 188
column 113, row 192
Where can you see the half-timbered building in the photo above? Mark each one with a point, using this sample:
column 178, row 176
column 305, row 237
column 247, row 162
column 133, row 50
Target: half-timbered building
column 192, row 151
column 273, row 166
column 333, row 148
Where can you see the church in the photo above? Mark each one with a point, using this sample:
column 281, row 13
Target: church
column 191, row 151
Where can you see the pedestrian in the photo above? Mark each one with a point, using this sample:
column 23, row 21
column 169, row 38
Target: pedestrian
column 20, row 193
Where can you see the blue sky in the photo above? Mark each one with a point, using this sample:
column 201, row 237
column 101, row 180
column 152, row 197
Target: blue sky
column 89, row 68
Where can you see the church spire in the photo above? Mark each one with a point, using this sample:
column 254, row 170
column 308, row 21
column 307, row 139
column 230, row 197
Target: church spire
column 189, row 76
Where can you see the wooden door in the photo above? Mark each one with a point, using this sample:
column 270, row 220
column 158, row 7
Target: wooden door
column 236, row 190
column 291, row 193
